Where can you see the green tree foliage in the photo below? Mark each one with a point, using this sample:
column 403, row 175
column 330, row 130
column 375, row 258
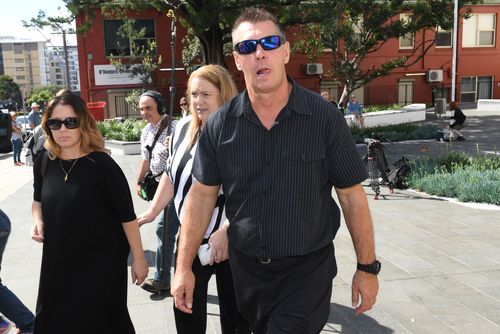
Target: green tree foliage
column 42, row 95
column 209, row 20
column 9, row 90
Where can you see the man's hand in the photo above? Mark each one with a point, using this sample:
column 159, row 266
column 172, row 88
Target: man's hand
column 37, row 232
column 182, row 290
column 366, row 286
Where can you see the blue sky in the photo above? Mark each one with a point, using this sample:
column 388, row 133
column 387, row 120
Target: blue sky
column 12, row 12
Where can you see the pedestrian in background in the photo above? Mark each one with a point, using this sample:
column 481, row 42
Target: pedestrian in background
column 154, row 151
column 354, row 109
column 35, row 115
column 457, row 120
column 16, row 139
column 10, row 306
column 183, row 103
column 208, row 88
column 83, row 213
column 277, row 150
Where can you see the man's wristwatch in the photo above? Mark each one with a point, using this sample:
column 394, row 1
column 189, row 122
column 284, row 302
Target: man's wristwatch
column 372, row 268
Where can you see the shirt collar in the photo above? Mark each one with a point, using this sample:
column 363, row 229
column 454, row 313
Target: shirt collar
column 296, row 102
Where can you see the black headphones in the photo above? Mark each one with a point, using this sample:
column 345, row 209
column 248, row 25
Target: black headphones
column 158, row 99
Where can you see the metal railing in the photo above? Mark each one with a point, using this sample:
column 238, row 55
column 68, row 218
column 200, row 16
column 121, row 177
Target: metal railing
column 123, row 109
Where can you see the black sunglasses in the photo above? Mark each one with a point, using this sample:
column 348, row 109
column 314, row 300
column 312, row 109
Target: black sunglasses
column 69, row 123
column 267, row 43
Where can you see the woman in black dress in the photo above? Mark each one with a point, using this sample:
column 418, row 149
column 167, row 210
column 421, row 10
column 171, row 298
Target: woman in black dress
column 83, row 214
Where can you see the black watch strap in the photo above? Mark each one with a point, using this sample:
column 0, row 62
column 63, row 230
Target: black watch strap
column 372, row 268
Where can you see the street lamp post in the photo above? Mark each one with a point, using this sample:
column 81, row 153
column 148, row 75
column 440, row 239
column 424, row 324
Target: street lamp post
column 454, row 57
column 173, row 29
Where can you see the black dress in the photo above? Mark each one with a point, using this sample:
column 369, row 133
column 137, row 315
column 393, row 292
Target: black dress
column 83, row 279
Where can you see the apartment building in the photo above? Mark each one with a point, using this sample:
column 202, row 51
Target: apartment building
column 26, row 61
column 57, row 67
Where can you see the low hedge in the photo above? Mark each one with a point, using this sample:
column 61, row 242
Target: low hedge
column 398, row 132
column 458, row 175
column 128, row 130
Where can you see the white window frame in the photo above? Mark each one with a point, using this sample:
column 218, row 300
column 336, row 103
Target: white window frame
column 440, row 30
column 477, row 31
column 404, row 18
column 129, row 40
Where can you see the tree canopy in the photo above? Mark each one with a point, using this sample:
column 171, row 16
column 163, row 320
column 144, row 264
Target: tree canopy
column 209, row 20
column 42, row 95
column 9, row 90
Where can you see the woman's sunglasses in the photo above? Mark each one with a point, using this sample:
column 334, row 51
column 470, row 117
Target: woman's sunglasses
column 267, row 43
column 69, row 123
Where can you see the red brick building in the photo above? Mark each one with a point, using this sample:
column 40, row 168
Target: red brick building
column 478, row 65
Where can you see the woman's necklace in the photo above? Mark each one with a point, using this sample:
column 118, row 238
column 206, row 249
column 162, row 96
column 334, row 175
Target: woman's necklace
column 69, row 171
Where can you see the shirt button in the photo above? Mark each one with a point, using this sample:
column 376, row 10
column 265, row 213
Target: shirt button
column 303, row 157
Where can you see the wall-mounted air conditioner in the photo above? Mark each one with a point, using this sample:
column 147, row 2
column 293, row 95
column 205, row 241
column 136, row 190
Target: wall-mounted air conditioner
column 435, row 76
column 314, row 68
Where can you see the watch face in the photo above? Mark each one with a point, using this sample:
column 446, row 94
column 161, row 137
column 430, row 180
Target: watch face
column 377, row 266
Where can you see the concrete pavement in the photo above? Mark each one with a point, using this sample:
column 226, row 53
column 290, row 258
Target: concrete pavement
column 440, row 260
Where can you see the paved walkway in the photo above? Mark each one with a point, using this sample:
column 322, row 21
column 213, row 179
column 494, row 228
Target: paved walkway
column 441, row 260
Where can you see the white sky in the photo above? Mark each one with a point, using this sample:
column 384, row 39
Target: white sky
column 12, row 12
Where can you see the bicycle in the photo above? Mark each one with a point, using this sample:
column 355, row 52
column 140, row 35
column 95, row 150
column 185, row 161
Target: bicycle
column 376, row 163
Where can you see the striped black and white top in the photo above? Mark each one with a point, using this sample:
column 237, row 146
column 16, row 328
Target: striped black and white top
column 179, row 170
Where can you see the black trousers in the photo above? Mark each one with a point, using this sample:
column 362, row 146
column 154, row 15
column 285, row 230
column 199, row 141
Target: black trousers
column 230, row 319
column 289, row 295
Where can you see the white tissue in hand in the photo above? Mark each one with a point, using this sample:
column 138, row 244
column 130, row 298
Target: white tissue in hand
column 204, row 254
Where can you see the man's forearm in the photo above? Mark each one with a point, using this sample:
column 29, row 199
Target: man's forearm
column 359, row 223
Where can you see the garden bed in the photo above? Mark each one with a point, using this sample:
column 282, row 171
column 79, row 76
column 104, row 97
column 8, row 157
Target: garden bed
column 409, row 114
column 124, row 147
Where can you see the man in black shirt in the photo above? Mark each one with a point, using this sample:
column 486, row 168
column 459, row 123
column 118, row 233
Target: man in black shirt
column 278, row 149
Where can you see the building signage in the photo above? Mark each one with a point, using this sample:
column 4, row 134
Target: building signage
column 106, row 75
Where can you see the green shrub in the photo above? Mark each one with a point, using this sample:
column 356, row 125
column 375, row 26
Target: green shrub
column 397, row 132
column 128, row 130
column 380, row 107
column 459, row 175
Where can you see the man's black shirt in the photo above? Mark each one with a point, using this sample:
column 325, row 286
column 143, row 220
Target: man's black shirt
column 278, row 182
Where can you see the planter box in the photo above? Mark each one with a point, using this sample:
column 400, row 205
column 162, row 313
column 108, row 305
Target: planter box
column 409, row 114
column 488, row 105
column 123, row 147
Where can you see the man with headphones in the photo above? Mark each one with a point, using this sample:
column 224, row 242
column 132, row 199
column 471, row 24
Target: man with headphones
column 154, row 159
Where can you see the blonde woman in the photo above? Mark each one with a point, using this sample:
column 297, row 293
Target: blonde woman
column 209, row 87
column 83, row 213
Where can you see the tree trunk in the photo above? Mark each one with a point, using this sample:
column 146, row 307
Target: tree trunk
column 212, row 42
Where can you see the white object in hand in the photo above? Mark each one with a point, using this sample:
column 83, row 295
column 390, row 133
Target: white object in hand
column 204, row 254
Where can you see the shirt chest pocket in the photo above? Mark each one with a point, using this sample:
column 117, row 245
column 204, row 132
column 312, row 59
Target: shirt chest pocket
column 304, row 155
column 305, row 166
